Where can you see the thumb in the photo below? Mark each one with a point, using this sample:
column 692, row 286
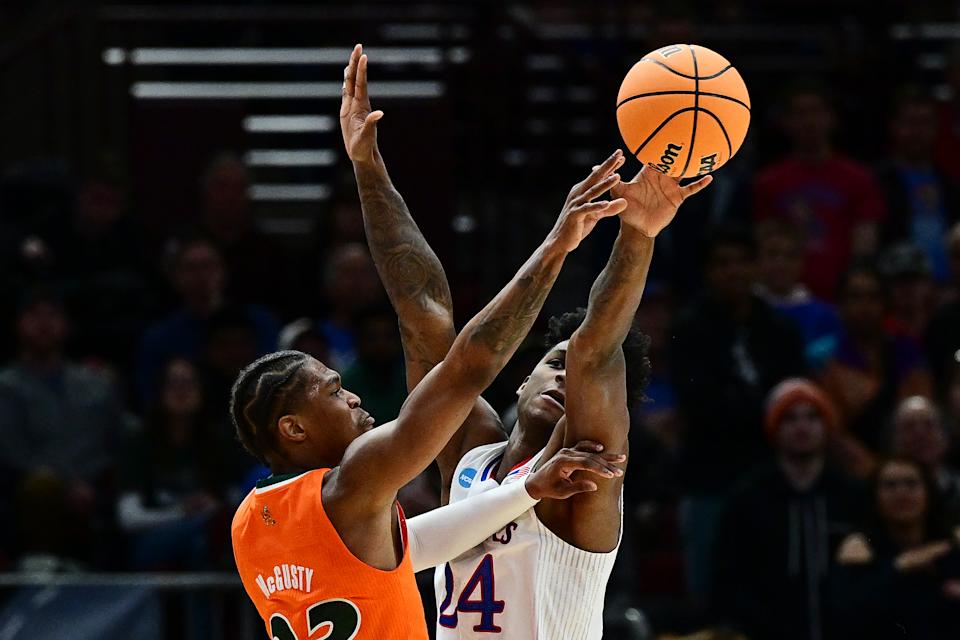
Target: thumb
column 371, row 121
column 582, row 486
column 616, row 207
column 695, row 187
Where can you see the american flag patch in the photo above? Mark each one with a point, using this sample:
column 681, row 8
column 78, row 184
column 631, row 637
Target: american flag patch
column 520, row 472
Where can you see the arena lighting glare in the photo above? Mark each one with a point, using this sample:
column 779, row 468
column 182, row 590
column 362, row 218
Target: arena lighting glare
column 278, row 90
column 289, row 158
column 289, row 192
column 288, row 124
column 253, row 56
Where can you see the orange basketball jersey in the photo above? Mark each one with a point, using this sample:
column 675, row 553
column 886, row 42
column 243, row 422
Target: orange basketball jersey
column 304, row 581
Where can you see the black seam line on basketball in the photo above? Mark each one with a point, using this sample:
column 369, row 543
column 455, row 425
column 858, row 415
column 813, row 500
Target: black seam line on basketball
column 662, row 125
column 683, row 75
column 723, row 130
column 684, row 93
column 696, row 105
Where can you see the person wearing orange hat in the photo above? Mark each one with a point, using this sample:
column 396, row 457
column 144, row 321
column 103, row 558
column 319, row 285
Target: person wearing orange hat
column 782, row 525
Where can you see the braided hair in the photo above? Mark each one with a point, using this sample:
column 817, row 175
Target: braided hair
column 636, row 351
column 260, row 394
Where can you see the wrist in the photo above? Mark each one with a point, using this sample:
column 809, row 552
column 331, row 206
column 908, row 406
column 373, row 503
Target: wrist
column 553, row 249
column 532, row 488
column 369, row 162
column 636, row 233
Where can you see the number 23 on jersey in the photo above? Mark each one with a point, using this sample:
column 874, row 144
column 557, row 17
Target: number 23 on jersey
column 338, row 617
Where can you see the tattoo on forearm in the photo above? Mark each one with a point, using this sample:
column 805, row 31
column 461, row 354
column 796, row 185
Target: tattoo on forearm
column 408, row 266
column 502, row 326
column 616, row 292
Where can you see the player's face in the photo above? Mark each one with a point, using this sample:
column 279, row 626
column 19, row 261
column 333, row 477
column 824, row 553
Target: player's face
column 801, row 430
column 543, row 394
column 330, row 416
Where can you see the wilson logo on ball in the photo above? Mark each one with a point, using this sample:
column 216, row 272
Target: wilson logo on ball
column 669, row 156
column 707, row 164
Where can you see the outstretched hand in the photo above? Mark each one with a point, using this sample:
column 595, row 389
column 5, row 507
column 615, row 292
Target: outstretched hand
column 555, row 478
column 580, row 213
column 653, row 199
column 357, row 122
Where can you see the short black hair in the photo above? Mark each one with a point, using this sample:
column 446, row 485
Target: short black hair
column 636, row 351
column 260, row 393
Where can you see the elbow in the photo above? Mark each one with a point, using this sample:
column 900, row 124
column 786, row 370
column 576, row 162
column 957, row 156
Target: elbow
column 591, row 352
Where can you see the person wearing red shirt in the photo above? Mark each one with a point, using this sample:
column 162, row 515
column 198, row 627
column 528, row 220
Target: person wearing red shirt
column 832, row 198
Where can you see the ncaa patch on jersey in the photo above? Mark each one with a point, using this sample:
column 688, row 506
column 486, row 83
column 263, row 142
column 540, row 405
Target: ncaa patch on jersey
column 466, row 477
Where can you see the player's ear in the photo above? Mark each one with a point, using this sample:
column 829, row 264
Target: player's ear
column 522, row 385
column 289, row 428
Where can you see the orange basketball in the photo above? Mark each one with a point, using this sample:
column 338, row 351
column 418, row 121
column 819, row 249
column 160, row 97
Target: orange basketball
column 684, row 110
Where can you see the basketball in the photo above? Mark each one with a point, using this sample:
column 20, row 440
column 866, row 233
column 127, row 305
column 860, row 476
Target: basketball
column 684, row 110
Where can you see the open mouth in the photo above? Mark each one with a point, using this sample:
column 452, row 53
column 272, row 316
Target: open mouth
column 556, row 396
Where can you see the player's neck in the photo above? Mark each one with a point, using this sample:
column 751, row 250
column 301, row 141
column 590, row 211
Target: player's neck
column 524, row 443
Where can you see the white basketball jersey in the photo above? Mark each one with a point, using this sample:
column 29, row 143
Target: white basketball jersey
column 523, row 583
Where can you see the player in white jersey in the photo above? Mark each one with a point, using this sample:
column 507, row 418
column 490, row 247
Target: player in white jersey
column 542, row 576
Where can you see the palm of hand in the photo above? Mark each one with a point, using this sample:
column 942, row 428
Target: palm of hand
column 357, row 143
column 652, row 200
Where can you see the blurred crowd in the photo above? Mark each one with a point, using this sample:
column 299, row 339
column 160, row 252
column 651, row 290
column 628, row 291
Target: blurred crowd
column 799, row 447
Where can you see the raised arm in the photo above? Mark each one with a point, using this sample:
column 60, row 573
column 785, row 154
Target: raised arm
column 381, row 461
column 410, row 271
column 596, row 390
column 408, row 267
column 596, row 405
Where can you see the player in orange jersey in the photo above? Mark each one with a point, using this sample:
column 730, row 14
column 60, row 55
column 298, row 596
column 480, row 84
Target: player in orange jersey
column 321, row 545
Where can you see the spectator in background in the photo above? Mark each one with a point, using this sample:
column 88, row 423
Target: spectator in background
column 231, row 344
column 784, row 522
column 922, row 201
column 59, row 423
column 919, row 434
column 728, row 350
column 172, row 478
column 378, row 374
column 261, row 272
column 942, row 338
column 303, row 335
column 951, row 411
column 199, row 278
column 102, row 271
column 350, row 285
column 871, row 369
column 650, row 560
column 948, row 135
column 900, row 576
column 833, row 199
column 780, row 262
column 911, row 291
column 953, row 253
